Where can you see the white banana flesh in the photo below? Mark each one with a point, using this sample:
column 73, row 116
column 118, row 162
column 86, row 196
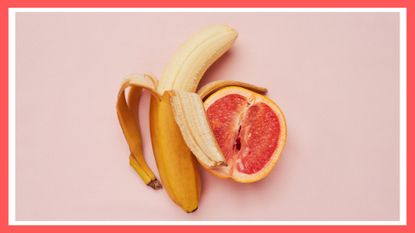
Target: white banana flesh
column 195, row 56
column 191, row 118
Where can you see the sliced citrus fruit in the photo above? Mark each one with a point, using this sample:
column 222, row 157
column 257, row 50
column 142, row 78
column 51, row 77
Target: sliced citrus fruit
column 250, row 130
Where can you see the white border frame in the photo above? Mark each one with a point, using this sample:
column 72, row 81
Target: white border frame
column 12, row 115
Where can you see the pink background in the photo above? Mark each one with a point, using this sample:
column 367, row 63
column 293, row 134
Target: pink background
column 335, row 75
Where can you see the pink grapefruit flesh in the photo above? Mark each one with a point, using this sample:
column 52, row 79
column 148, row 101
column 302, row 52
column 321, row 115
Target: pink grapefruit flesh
column 250, row 130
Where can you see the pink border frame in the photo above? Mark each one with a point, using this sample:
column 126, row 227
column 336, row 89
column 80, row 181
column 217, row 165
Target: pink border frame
column 4, row 5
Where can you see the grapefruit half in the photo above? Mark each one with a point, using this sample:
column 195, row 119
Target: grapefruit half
column 250, row 130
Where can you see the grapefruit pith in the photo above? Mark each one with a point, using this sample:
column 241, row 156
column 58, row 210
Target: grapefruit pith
column 250, row 130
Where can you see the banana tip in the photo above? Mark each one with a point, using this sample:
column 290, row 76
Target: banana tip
column 191, row 211
column 155, row 184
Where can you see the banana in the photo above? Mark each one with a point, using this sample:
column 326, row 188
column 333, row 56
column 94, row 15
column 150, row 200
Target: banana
column 172, row 120
column 175, row 162
column 191, row 118
column 128, row 118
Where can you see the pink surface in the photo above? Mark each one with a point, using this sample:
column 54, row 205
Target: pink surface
column 335, row 75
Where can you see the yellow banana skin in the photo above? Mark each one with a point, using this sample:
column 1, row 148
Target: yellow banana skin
column 176, row 164
column 128, row 117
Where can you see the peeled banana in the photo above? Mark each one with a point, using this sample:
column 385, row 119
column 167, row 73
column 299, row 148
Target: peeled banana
column 178, row 123
column 175, row 162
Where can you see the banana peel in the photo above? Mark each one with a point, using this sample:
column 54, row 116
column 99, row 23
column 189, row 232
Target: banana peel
column 128, row 118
